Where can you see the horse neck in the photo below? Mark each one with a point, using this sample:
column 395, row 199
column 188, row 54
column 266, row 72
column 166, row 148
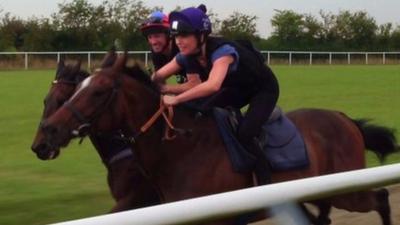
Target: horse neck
column 139, row 102
column 153, row 152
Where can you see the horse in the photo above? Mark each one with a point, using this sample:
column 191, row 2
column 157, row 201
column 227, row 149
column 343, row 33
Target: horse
column 194, row 163
column 128, row 184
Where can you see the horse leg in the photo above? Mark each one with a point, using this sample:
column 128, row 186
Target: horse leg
column 382, row 196
column 366, row 201
column 310, row 216
column 232, row 221
column 324, row 208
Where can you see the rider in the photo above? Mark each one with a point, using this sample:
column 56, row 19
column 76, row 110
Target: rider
column 163, row 49
column 231, row 75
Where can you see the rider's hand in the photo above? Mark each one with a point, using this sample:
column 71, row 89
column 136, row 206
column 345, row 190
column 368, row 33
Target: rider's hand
column 153, row 76
column 170, row 100
column 163, row 88
column 156, row 78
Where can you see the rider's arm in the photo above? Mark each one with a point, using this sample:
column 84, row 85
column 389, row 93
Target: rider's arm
column 166, row 71
column 213, row 83
column 192, row 81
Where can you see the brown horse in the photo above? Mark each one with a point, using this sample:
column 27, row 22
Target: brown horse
column 128, row 186
column 196, row 164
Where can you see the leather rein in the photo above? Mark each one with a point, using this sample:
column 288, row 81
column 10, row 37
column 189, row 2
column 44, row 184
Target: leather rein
column 166, row 112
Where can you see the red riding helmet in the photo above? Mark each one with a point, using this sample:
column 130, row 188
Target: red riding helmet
column 157, row 22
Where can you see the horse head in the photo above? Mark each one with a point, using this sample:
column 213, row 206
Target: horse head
column 96, row 106
column 67, row 78
column 63, row 87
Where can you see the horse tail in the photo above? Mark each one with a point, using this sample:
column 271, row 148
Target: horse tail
column 379, row 139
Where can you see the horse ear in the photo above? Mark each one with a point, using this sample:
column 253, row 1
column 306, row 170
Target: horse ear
column 109, row 58
column 61, row 62
column 120, row 64
column 60, row 66
column 77, row 66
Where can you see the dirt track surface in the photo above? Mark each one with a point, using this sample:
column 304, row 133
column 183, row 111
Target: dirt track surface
column 341, row 217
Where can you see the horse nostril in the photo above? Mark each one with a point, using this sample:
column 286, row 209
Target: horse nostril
column 38, row 147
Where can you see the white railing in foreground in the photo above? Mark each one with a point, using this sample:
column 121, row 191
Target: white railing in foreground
column 235, row 202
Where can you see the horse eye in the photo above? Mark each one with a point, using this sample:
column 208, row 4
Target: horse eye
column 99, row 93
column 60, row 103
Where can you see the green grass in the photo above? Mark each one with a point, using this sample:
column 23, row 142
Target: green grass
column 74, row 185
column 34, row 191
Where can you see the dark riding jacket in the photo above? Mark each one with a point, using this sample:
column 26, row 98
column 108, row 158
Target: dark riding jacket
column 250, row 82
column 159, row 60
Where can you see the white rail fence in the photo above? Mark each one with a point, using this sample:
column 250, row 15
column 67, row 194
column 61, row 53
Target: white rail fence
column 303, row 57
column 236, row 202
column 29, row 60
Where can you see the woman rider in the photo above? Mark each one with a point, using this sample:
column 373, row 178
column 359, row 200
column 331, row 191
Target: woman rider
column 230, row 75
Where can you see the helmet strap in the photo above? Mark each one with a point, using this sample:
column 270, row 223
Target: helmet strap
column 201, row 40
column 168, row 44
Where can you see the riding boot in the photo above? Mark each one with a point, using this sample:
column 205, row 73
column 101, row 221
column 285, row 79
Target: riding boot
column 262, row 169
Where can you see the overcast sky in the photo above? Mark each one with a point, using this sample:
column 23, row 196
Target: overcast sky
column 383, row 11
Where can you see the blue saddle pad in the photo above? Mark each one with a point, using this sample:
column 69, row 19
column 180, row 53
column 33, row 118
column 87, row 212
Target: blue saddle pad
column 282, row 144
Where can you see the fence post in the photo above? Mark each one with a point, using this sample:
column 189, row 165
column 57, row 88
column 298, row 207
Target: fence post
column 146, row 59
column 384, row 59
column 88, row 61
column 268, row 58
column 330, row 58
column 348, row 58
column 366, row 58
column 26, row 61
column 311, row 58
column 58, row 57
column 290, row 58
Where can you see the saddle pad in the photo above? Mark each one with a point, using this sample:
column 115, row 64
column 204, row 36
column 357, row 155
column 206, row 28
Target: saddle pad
column 285, row 147
column 283, row 144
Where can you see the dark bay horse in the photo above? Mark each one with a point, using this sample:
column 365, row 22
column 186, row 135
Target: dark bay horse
column 128, row 185
column 197, row 164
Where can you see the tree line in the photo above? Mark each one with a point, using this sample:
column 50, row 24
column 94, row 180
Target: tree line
column 81, row 26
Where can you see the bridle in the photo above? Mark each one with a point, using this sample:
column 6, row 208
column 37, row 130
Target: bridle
column 68, row 82
column 85, row 123
column 63, row 82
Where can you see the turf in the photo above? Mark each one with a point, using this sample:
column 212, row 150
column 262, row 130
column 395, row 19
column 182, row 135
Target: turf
column 74, row 185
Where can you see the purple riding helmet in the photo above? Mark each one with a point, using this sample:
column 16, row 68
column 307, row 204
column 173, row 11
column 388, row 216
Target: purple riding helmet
column 190, row 21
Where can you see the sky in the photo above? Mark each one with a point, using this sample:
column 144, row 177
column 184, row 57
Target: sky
column 383, row 11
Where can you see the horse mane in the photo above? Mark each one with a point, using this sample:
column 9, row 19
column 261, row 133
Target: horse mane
column 118, row 63
column 136, row 72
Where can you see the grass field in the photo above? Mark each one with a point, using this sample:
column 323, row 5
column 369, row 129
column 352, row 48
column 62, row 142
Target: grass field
column 74, row 185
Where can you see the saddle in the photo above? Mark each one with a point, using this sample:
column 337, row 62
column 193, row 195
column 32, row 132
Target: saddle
column 281, row 142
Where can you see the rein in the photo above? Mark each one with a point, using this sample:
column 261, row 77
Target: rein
column 168, row 114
